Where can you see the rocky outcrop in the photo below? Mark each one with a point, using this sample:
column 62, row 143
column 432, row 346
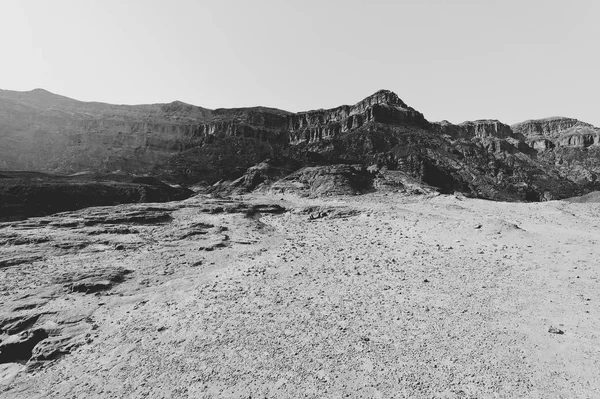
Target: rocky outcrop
column 570, row 146
column 257, row 177
column 474, row 129
column 546, row 134
column 550, row 128
column 580, row 138
column 541, row 144
column 326, row 180
column 383, row 106
column 35, row 335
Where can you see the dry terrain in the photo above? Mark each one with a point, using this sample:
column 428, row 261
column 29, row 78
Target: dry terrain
column 374, row 296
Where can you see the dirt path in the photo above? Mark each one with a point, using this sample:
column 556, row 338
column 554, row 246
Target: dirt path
column 372, row 296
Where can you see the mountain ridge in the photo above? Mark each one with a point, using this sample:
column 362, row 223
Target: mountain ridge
column 184, row 143
column 176, row 103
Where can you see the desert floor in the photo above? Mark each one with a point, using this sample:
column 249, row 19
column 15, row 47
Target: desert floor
column 375, row 296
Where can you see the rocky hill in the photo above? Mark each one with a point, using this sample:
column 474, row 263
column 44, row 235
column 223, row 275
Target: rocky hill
column 380, row 141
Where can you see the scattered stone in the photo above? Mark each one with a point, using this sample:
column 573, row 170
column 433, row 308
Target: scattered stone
column 555, row 330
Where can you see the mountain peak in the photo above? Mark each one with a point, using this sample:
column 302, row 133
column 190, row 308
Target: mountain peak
column 384, row 91
column 43, row 94
column 383, row 97
column 40, row 90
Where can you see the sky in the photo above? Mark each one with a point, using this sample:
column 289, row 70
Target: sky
column 455, row 59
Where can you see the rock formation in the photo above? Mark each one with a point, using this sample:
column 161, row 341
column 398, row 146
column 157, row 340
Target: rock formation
column 238, row 150
column 479, row 129
column 545, row 134
column 383, row 106
column 569, row 145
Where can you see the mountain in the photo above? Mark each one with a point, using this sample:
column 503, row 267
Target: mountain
column 377, row 143
column 570, row 145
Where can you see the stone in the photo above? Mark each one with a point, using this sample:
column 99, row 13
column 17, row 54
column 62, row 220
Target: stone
column 18, row 260
column 94, row 281
column 18, row 348
column 554, row 330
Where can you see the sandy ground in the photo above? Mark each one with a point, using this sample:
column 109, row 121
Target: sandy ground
column 377, row 296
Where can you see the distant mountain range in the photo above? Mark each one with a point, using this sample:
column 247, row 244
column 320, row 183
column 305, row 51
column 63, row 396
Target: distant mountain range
column 380, row 143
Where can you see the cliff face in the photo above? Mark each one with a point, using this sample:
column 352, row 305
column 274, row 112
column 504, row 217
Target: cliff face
column 383, row 106
column 550, row 128
column 546, row 134
column 528, row 161
column 471, row 129
column 572, row 147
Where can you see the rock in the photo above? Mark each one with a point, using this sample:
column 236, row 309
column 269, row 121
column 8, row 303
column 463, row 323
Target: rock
column 14, row 325
column 383, row 106
column 8, row 372
column 554, row 330
column 18, row 260
column 569, row 145
column 18, row 348
column 475, row 129
column 257, row 177
column 317, row 212
column 326, row 180
column 23, row 240
column 40, row 337
column 550, row 128
column 141, row 216
column 93, row 281
column 225, row 206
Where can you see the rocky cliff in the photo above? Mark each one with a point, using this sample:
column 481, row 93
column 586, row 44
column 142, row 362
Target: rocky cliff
column 474, row 129
column 545, row 134
column 383, row 106
column 569, row 145
column 245, row 148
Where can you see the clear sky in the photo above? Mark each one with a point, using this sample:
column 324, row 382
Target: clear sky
column 456, row 59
